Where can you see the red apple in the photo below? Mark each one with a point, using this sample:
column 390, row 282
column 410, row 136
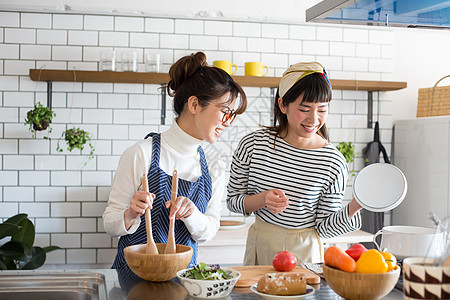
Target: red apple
column 284, row 261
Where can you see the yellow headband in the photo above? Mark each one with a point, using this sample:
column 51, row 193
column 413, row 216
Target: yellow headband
column 296, row 72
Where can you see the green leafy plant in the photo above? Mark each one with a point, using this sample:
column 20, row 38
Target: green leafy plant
column 77, row 138
column 348, row 151
column 19, row 253
column 39, row 118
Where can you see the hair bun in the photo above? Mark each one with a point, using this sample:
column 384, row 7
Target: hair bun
column 184, row 68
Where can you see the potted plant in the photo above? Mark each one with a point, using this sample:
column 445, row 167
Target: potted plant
column 348, row 151
column 39, row 118
column 19, row 253
column 77, row 138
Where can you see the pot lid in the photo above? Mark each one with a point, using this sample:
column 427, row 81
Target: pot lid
column 380, row 187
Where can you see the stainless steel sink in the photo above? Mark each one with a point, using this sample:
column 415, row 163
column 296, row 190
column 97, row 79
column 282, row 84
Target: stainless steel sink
column 38, row 286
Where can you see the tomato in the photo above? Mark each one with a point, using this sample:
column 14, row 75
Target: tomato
column 284, row 261
column 355, row 251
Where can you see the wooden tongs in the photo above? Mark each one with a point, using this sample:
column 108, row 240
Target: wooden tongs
column 170, row 246
column 151, row 246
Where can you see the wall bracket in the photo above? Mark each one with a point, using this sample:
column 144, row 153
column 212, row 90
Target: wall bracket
column 49, row 94
column 163, row 104
column 272, row 101
column 369, row 109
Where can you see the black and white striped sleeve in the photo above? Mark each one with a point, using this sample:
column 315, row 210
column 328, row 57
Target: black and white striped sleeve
column 237, row 188
column 331, row 219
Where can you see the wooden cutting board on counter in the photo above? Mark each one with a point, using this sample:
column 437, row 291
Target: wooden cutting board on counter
column 251, row 274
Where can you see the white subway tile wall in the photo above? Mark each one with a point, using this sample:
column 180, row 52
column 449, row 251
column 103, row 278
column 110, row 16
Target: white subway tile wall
column 159, row 25
column 246, row 29
column 128, row 24
column 98, row 22
column 67, row 240
column 81, row 225
column 218, row 28
column 81, row 256
column 20, row 36
column 66, row 21
column 302, row 32
column 64, row 193
column 329, row 34
column 9, row 19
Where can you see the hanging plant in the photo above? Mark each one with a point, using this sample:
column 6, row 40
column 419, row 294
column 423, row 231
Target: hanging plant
column 39, row 118
column 77, row 138
column 348, row 151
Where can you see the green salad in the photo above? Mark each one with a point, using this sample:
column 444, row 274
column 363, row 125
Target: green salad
column 204, row 272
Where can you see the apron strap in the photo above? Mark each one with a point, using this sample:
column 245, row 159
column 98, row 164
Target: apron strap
column 156, row 145
column 203, row 162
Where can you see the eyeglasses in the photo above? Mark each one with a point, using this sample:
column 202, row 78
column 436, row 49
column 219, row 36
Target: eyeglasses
column 228, row 115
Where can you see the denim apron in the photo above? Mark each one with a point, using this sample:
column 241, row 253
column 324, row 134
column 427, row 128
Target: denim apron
column 160, row 183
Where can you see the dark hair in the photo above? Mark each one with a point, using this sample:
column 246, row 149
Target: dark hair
column 191, row 76
column 314, row 88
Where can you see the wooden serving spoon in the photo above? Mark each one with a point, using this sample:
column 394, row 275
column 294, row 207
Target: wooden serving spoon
column 170, row 246
column 151, row 246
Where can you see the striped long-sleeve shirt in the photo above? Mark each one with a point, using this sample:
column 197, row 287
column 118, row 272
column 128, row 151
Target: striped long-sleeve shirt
column 313, row 180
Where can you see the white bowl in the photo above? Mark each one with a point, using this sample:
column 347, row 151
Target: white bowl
column 209, row 288
column 410, row 241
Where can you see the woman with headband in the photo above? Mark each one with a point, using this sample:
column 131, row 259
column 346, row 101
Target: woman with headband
column 290, row 175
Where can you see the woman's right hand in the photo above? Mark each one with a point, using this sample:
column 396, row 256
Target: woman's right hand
column 276, row 201
column 138, row 204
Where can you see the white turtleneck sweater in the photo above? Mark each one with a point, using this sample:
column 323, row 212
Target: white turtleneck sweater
column 178, row 151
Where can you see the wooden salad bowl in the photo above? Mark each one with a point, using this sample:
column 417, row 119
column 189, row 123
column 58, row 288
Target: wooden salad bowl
column 157, row 267
column 357, row 286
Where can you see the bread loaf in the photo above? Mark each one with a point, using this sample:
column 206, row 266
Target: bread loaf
column 282, row 284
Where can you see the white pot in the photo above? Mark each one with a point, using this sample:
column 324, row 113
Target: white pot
column 408, row 241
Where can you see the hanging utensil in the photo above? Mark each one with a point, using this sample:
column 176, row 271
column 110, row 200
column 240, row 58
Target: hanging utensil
column 170, row 246
column 151, row 246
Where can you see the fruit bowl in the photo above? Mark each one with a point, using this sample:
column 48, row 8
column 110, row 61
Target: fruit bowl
column 209, row 288
column 360, row 286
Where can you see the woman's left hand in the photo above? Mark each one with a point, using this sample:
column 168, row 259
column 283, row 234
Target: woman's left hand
column 182, row 208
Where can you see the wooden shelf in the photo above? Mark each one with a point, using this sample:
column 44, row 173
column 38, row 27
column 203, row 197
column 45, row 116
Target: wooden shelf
column 161, row 78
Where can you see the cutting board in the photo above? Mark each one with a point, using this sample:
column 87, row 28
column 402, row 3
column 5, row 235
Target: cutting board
column 251, row 274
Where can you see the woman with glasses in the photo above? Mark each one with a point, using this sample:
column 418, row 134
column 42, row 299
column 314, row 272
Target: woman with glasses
column 290, row 176
column 205, row 104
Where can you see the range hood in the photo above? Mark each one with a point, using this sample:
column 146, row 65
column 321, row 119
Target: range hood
column 433, row 14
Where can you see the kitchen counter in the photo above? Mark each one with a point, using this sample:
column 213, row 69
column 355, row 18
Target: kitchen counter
column 125, row 285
